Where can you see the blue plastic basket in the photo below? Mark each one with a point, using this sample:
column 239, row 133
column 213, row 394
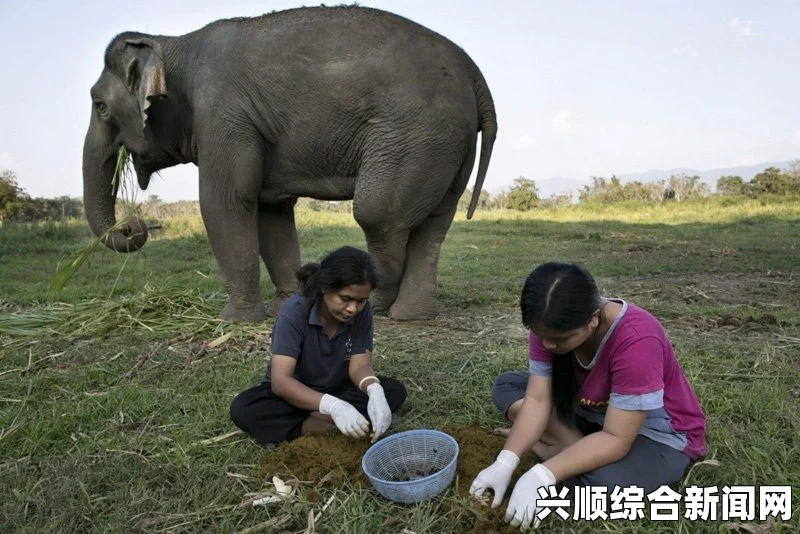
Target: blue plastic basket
column 409, row 467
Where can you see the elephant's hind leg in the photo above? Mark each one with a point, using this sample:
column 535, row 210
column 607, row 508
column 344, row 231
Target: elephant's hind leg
column 416, row 298
column 381, row 210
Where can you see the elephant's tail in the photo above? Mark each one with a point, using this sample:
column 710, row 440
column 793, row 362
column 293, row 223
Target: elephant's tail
column 487, row 119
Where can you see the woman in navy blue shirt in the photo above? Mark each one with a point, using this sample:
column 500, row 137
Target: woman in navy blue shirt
column 320, row 373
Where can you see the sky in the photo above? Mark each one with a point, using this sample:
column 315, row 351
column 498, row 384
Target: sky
column 581, row 88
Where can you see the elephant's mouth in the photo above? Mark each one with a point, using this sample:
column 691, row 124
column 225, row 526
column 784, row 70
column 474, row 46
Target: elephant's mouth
column 143, row 171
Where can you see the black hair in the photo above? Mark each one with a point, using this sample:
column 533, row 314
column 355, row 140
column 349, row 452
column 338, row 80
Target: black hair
column 560, row 297
column 343, row 267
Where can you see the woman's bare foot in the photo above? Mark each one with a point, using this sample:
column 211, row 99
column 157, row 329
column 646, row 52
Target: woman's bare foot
column 545, row 452
column 542, row 450
column 316, row 423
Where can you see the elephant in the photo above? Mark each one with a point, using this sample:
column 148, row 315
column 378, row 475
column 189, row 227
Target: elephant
column 332, row 103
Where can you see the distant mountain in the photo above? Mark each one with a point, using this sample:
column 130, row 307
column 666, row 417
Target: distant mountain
column 710, row 177
column 560, row 184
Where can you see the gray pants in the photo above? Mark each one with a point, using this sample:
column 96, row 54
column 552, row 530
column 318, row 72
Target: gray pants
column 648, row 464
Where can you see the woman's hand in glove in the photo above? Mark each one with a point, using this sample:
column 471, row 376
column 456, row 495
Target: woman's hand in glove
column 347, row 419
column 378, row 409
column 496, row 477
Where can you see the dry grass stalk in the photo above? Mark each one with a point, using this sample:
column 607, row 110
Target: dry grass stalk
column 325, row 507
column 219, row 438
column 32, row 366
column 140, row 360
column 132, row 453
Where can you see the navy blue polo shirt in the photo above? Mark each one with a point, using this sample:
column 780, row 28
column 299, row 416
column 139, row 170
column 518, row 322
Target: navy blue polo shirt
column 321, row 363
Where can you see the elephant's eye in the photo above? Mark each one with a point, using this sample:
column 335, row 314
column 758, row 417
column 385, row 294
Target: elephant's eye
column 102, row 109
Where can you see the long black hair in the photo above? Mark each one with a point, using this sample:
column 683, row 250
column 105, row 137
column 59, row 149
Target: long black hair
column 343, row 267
column 560, row 297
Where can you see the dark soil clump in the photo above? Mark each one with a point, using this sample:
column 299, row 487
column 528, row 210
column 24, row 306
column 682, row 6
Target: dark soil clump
column 333, row 460
column 329, row 460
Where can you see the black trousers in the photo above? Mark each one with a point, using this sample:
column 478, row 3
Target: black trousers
column 270, row 419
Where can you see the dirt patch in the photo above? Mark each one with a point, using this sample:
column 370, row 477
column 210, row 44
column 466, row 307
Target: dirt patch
column 751, row 321
column 755, row 289
column 334, row 460
column 642, row 247
column 322, row 460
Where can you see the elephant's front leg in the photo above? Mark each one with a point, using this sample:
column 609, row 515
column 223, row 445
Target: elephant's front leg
column 279, row 248
column 230, row 216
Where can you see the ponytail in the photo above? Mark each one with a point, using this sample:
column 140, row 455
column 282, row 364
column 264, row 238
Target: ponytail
column 308, row 278
column 564, row 387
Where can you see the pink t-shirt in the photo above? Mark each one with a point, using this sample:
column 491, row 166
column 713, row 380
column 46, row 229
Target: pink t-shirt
column 635, row 368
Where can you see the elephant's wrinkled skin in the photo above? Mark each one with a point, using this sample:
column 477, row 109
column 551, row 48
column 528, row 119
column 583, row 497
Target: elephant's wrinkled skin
column 329, row 103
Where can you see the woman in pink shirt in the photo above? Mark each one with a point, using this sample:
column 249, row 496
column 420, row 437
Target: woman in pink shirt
column 604, row 402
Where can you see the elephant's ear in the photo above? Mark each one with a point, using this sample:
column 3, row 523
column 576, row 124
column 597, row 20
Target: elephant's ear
column 145, row 74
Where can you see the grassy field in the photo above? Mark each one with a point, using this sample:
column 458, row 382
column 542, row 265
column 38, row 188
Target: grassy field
column 114, row 392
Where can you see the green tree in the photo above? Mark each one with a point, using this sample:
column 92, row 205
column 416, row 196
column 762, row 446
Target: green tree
column 499, row 200
column 641, row 191
column 773, row 181
column 686, row 187
column 523, row 195
column 794, row 172
column 728, row 186
column 601, row 190
column 12, row 196
column 557, row 200
column 613, row 190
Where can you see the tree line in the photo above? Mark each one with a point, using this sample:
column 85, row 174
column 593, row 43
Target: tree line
column 522, row 195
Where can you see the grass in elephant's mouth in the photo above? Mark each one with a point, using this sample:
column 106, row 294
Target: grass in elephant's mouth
column 133, row 385
column 124, row 182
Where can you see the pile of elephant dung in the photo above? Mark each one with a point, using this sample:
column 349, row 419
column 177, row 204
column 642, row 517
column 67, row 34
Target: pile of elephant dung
column 333, row 460
column 327, row 460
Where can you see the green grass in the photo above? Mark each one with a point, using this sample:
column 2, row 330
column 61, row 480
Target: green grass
column 110, row 396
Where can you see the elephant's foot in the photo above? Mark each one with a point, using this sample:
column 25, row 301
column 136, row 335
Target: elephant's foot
column 248, row 314
column 413, row 310
column 382, row 300
column 274, row 305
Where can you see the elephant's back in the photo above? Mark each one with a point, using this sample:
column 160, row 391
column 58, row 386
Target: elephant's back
column 319, row 79
column 325, row 36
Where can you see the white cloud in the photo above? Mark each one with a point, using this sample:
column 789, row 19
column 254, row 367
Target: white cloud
column 688, row 49
column 741, row 27
column 523, row 143
column 797, row 137
column 562, row 120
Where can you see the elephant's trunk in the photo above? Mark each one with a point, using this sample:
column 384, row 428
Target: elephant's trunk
column 100, row 193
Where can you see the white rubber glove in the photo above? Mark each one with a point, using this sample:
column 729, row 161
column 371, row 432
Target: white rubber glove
column 522, row 508
column 378, row 409
column 347, row 419
column 496, row 477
